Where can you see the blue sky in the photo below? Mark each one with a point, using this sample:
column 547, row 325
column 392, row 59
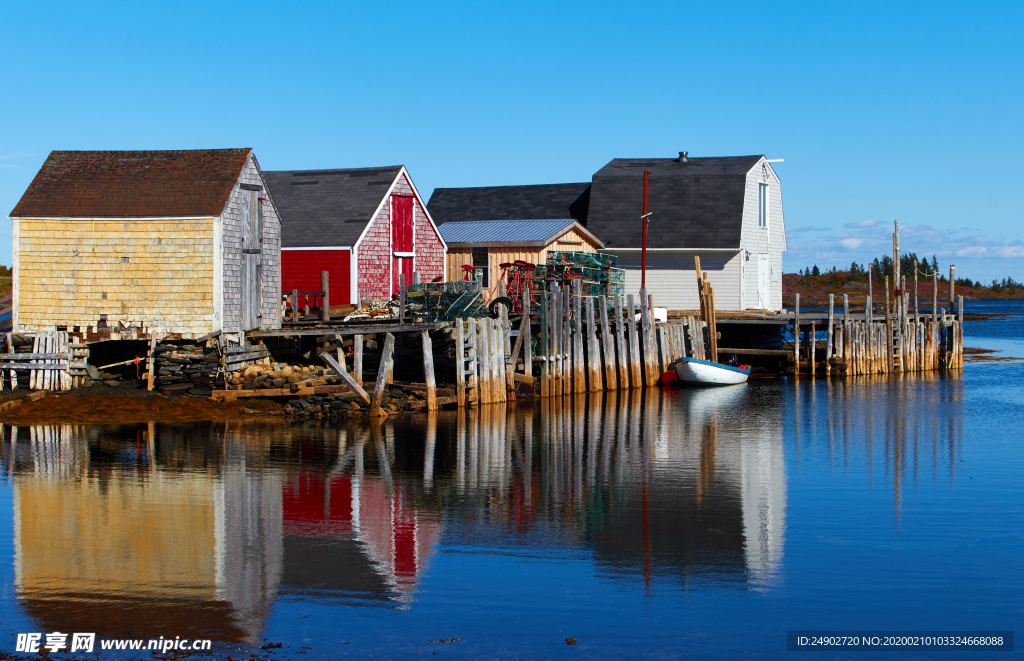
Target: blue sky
column 883, row 111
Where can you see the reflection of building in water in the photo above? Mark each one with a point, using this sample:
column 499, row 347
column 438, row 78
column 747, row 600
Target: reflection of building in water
column 108, row 540
column 686, row 482
column 351, row 527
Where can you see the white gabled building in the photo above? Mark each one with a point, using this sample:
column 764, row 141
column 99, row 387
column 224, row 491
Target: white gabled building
column 726, row 210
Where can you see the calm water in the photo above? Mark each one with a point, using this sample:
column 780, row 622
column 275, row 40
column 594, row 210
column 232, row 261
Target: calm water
column 673, row 524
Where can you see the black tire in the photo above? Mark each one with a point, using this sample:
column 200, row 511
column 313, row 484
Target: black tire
column 504, row 300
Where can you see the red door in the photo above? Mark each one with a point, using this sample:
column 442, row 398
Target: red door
column 401, row 240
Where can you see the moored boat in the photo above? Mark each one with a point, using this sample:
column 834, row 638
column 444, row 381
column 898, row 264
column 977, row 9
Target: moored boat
column 694, row 372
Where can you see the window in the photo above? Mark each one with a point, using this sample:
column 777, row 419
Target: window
column 762, row 205
column 481, row 260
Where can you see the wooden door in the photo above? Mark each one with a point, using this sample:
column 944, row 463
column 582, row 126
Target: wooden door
column 402, row 240
column 252, row 226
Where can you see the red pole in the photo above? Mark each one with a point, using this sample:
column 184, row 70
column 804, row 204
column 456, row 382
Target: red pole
column 643, row 251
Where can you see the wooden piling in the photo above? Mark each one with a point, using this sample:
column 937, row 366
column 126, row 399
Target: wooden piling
column 545, row 366
column 428, row 371
column 828, row 335
column 647, row 333
column 607, row 346
column 579, row 380
column 460, row 362
column 796, row 335
column 325, row 299
column 295, row 305
column 382, row 376
column 812, row 349
column 634, row 344
column 622, row 375
column 594, row 383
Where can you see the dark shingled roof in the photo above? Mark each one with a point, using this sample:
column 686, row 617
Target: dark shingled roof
column 321, row 208
column 133, row 184
column 510, row 203
column 696, row 204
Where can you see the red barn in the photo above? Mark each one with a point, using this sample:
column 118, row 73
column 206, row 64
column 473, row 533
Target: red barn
column 365, row 226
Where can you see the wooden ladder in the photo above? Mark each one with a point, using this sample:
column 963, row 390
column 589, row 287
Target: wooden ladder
column 467, row 363
column 897, row 347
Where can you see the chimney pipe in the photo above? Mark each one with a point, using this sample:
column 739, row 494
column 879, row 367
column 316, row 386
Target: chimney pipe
column 683, row 156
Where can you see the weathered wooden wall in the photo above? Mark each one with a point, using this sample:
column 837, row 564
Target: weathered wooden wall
column 770, row 240
column 231, row 251
column 143, row 272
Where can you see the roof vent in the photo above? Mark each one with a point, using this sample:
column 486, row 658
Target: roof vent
column 683, row 156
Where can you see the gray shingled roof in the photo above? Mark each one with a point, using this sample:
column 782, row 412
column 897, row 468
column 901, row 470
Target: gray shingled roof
column 696, row 204
column 327, row 207
column 510, row 203
column 537, row 233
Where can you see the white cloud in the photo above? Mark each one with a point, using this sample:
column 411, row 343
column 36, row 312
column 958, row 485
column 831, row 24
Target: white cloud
column 851, row 244
column 863, row 224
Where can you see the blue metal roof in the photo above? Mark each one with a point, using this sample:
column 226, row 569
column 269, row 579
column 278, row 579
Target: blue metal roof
column 504, row 231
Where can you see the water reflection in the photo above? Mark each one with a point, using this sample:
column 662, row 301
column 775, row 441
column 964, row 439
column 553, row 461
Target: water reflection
column 200, row 528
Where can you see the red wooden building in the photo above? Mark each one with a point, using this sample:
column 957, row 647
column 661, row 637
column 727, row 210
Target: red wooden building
column 365, row 226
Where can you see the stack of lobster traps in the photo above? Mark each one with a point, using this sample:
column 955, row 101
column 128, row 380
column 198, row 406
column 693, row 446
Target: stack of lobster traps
column 596, row 271
column 445, row 301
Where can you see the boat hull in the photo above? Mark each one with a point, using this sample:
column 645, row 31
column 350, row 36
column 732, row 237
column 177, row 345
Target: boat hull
column 693, row 372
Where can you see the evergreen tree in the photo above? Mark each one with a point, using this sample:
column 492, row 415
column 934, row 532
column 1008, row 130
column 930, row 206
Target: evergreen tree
column 935, row 263
column 815, row 270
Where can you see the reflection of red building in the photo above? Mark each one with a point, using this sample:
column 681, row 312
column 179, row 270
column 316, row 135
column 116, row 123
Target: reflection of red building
column 392, row 538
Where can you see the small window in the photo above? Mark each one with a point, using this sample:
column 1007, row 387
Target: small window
column 481, row 260
column 762, row 205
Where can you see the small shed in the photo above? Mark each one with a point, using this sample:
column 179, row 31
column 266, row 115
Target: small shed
column 184, row 241
column 487, row 244
column 364, row 226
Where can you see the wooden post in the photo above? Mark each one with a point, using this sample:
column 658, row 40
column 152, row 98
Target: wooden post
column 647, row 334
column 12, row 373
column 555, row 343
column 700, row 286
column 151, row 362
column 713, row 323
column 579, row 381
column 960, row 332
column 401, row 298
column 382, row 376
column 593, row 352
column 620, row 345
column 889, row 347
column 527, row 326
column 415, row 277
column 483, row 355
column 607, row 346
column 952, row 285
column 796, row 335
column 828, row 336
column 812, row 349
column 499, row 336
column 325, row 299
column 428, row 371
column 339, row 369
column 295, row 305
column 545, row 367
column 357, row 358
column 917, row 315
column 460, row 363
column 634, row 344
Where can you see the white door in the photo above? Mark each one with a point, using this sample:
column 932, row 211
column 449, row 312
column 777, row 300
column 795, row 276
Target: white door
column 764, row 281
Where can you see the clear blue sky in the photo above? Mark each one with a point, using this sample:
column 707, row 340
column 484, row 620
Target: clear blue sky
column 883, row 111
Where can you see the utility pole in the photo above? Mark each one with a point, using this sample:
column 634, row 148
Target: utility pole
column 643, row 251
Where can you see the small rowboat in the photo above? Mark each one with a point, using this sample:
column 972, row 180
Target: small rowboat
column 694, row 372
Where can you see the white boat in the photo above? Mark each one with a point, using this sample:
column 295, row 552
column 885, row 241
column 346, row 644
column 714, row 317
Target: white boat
column 694, row 372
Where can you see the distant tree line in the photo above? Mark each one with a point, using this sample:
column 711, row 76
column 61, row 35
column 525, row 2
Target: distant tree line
column 879, row 268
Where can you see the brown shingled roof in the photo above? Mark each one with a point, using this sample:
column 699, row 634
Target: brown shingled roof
column 127, row 184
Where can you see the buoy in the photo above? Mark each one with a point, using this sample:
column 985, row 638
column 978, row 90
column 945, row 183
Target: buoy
column 669, row 378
